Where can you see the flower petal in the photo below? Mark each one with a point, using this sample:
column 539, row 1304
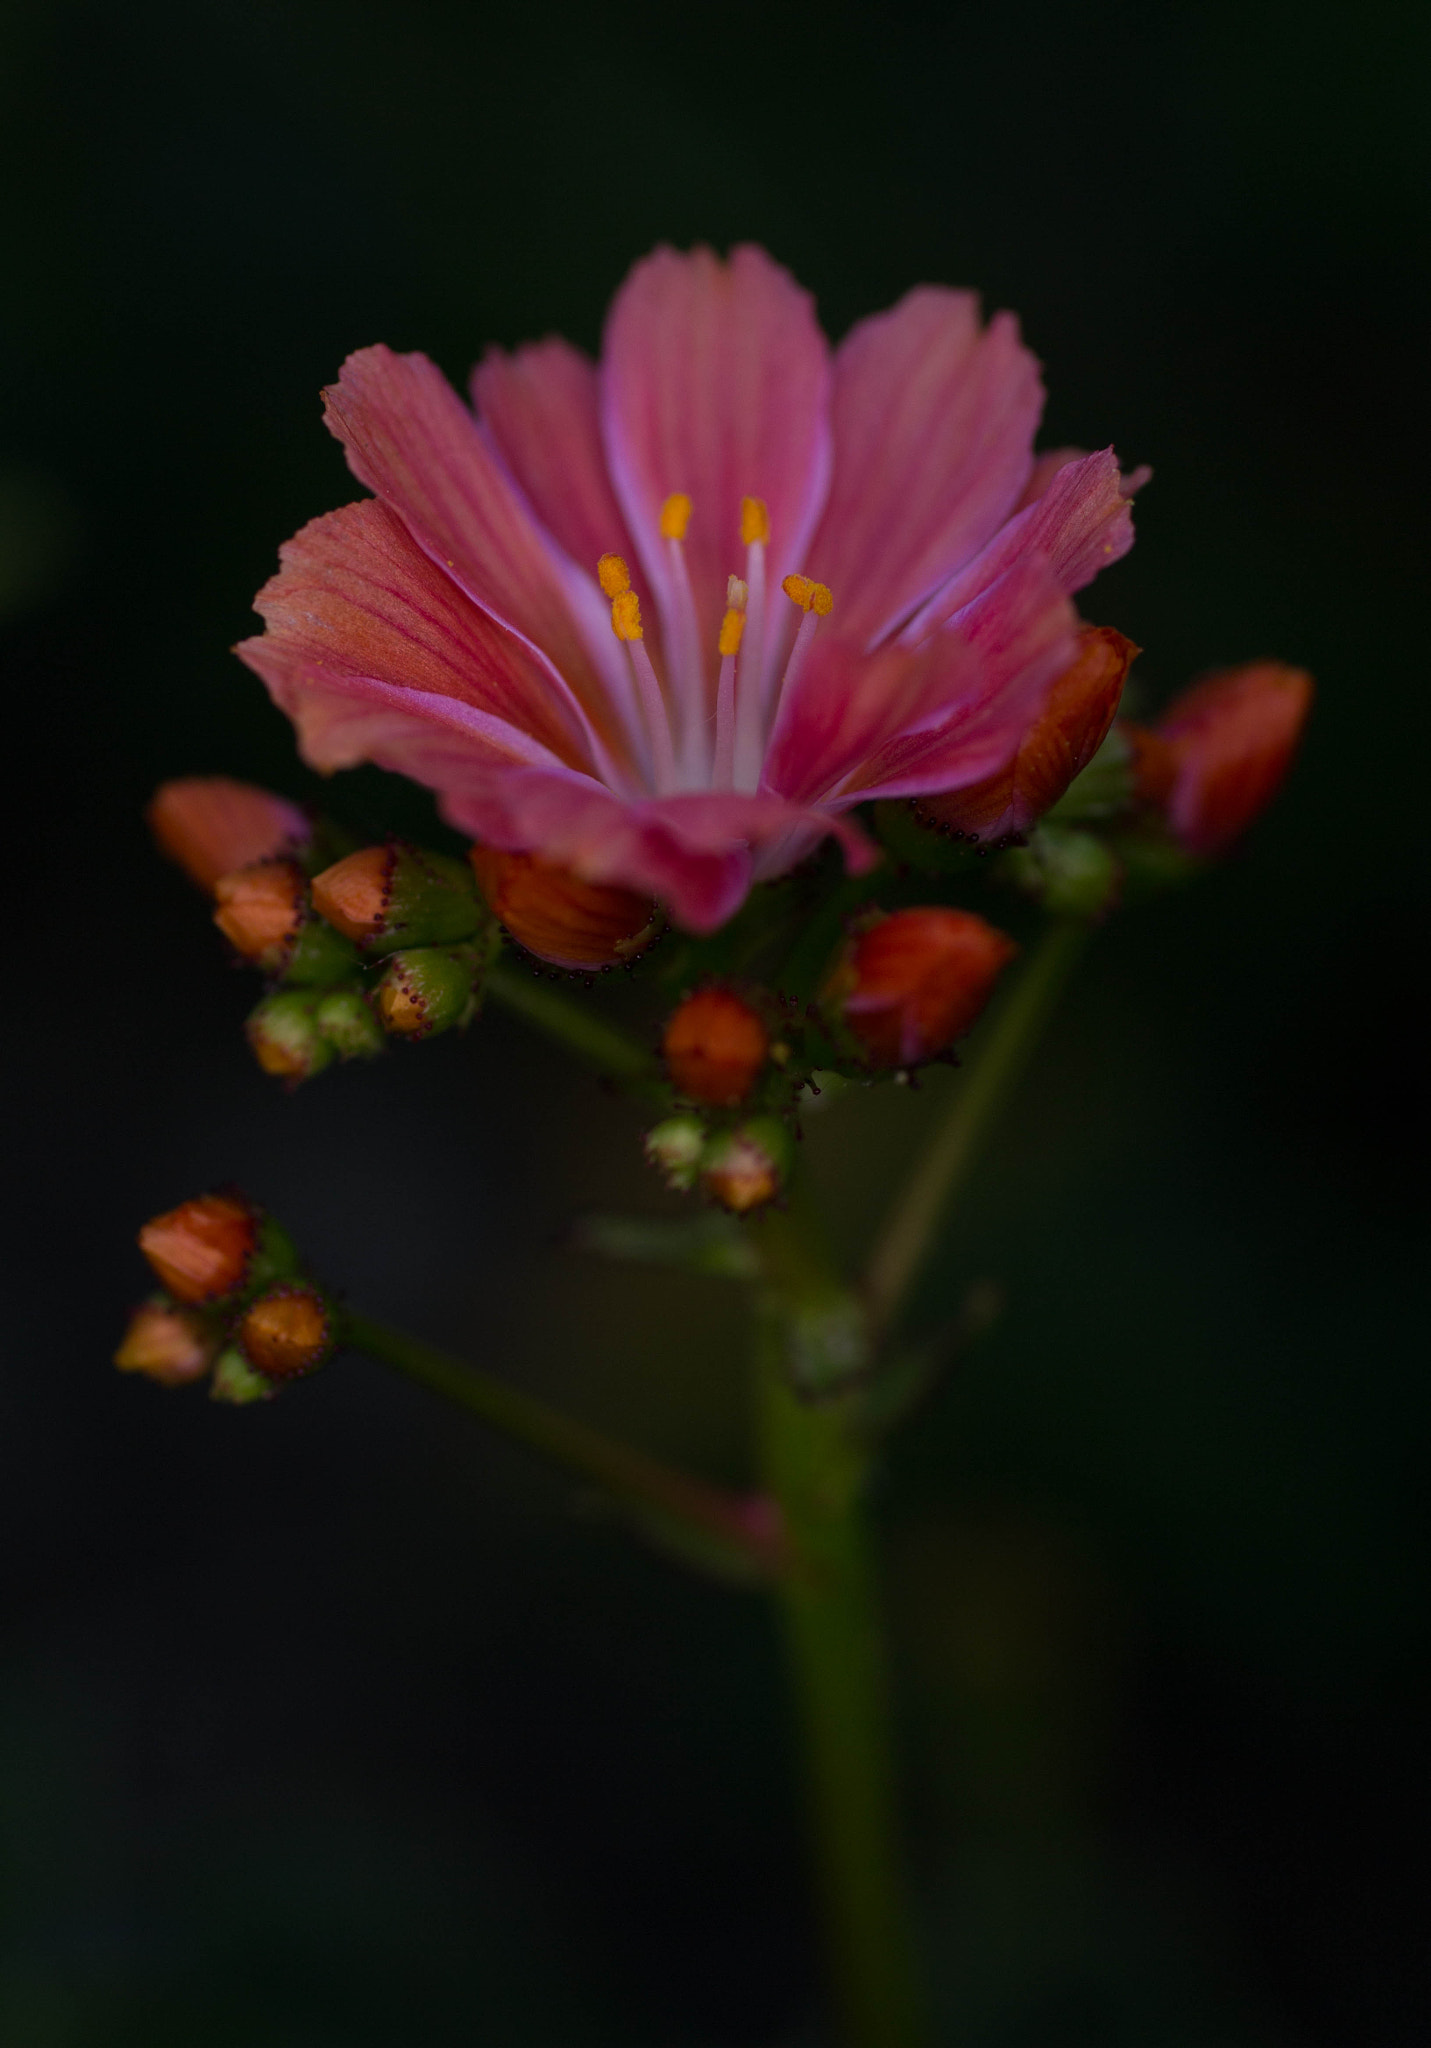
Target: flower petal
column 357, row 601
column 934, row 421
column 715, row 381
column 410, row 438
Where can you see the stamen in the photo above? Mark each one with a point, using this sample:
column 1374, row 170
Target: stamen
column 810, row 596
column 684, row 666
column 615, row 580
column 754, row 521
column 732, row 629
column 675, row 516
column 750, row 700
column 613, row 576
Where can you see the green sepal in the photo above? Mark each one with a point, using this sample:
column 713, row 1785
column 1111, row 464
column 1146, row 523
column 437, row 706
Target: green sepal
column 710, row 1243
column 445, row 981
column 1103, row 789
column 319, row 957
column 345, row 1018
column 235, row 1381
column 1073, row 874
column 275, row 1258
column 915, row 843
column 674, row 1147
column 286, row 1025
column 432, row 900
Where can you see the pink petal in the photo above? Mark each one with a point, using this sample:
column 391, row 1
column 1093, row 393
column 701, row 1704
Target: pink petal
column 357, row 603
column 715, row 382
column 410, row 438
column 1081, row 524
column 1045, row 469
column 934, row 422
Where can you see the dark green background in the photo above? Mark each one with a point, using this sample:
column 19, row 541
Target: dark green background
column 329, row 1726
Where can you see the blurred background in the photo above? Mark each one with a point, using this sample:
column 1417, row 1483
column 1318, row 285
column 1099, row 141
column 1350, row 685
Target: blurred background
column 337, row 1723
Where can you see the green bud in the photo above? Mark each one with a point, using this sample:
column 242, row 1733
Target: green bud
column 345, row 1018
column 319, row 956
column 275, row 1257
column 284, row 1034
column 674, row 1148
column 388, row 899
column 426, row 989
column 1073, row 874
column 745, row 1168
column 236, row 1382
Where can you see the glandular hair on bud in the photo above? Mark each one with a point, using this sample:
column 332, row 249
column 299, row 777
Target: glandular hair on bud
column 287, row 1333
column 909, row 984
column 236, row 1383
column 560, row 917
column 747, row 1167
column 170, row 1345
column 212, row 825
column 345, row 1018
column 259, row 910
column 674, row 1148
column 203, row 1250
column 283, row 1031
column 715, row 1045
column 427, row 989
column 387, row 898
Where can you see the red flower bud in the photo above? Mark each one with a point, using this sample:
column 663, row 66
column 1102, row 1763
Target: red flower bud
column 1065, row 736
column 715, row 1045
column 260, row 911
column 202, row 1250
column 171, row 1345
column 287, row 1333
column 909, row 985
column 211, row 825
column 558, row 916
column 1232, row 738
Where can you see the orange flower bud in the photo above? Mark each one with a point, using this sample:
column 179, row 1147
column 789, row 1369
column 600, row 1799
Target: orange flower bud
column 202, row 1250
column 715, row 1045
column 211, row 825
column 1232, row 738
column 1062, row 740
column 908, row 986
column 746, row 1168
column 260, row 910
column 558, row 916
column 170, row 1345
column 353, row 894
column 287, row 1333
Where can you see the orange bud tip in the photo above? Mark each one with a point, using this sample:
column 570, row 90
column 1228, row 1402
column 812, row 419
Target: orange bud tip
column 202, row 1250
column 675, row 516
column 626, row 616
column 353, row 894
column 613, row 575
column 754, row 521
column 809, row 595
column 287, row 1333
column 169, row 1345
column 211, row 825
column 715, row 1045
column 746, row 1168
column 561, row 917
column 1232, row 739
column 907, row 986
column 260, row 910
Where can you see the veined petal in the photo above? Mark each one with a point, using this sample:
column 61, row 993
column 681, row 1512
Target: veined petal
column 410, row 438
column 934, row 419
column 356, row 598
column 1081, row 524
column 715, row 382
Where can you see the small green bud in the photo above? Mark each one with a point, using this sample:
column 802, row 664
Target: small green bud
column 345, row 1018
column 674, row 1148
column 319, row 956
column 236, row 1382
column 745, row 1168
column 426, row 989
column 1073, row 874
column 284, row 1034
column 1104, row 789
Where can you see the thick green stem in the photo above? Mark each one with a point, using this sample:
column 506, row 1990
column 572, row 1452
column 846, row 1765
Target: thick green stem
column 745, row 1528
column 598, row 1043
column 1006, row 1043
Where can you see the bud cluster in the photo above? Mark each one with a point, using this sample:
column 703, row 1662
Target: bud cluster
column 235, row 1305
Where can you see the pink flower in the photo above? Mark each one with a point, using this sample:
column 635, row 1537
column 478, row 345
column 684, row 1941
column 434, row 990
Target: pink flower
column 831, row 577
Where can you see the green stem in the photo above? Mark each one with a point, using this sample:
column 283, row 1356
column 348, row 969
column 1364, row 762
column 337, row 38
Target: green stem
column 601, row 1045
column 1006, row 1045
column 743, row 1528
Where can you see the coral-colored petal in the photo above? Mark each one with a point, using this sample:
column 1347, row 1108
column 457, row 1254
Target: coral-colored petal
column 715, row 382
column 410, row 438
column 356, row 601
column 1081, row 524
column 934, row 422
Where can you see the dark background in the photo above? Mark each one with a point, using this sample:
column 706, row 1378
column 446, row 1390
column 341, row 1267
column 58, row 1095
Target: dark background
column 329, row 1724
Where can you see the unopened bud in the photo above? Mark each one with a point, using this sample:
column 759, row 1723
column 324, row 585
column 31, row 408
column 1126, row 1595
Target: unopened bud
column 1232, row 739
column 428, row 989
column 260, row 909
column 906, row 987
column 173, row 1346
column 211, row 825
column 344, row 1017
column 235, row 1381
column 1065, row 736
column 674, row 1148
column 388, row 897
column 558, row 916
column 287, row 1333
column 715, row 1045
column 286, row 1038
column 203, row 1250
column 745, row 1168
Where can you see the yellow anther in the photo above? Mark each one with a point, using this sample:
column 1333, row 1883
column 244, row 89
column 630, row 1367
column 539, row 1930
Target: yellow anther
column 810, row 596
column 613, row 575
column 731, row 628
column 626, row 614
column 675, row 516
column 754, row 520
column 736, row 593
